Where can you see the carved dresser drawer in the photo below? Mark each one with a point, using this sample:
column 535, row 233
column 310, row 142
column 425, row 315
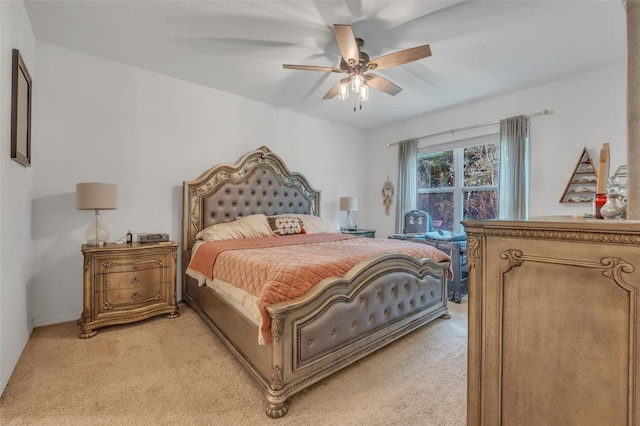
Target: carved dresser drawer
column 127, row 282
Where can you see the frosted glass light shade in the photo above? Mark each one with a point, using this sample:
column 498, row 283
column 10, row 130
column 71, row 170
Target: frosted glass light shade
column 356, row 83
column 364, row 93
column 343, row 91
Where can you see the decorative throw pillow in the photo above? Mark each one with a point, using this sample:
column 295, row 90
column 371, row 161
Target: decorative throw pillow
column 286, row 225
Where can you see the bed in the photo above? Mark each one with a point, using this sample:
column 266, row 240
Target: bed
column 336, row 322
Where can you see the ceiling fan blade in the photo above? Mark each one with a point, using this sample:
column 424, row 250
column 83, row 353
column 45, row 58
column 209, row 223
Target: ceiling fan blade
column 400, row 58
column 383, row 84
column 310, row 68
column 347, row 44
column 333, row 91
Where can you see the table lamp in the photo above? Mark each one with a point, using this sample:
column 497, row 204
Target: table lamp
column 349, row 204
column 96, row 196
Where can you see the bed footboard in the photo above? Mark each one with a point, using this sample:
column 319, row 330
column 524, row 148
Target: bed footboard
column 343, row 319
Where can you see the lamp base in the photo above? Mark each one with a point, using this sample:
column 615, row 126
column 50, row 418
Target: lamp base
column 96, row 233
column 350, row 226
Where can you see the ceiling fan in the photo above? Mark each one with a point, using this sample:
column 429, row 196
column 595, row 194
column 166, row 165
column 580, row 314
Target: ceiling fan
column 357, row 65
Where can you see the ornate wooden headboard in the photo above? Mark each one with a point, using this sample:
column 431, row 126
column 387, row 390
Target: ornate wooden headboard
column 259, row 182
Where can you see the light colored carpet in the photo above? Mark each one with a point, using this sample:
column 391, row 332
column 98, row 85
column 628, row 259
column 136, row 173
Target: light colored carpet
column 176, row 372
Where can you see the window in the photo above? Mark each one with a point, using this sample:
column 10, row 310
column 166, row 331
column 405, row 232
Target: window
column 458, row 181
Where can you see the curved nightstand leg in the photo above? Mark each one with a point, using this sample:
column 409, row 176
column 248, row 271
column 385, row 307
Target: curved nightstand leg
column 445, row 316
column 175, row 314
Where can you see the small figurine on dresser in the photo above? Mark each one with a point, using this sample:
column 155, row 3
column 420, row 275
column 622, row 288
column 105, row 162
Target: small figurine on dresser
column 616, row 205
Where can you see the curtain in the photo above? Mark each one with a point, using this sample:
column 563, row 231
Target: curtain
column 407, row 175
column 514, row 168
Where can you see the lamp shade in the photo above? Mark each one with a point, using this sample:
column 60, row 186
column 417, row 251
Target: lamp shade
column 96, row 196
column 348, row 204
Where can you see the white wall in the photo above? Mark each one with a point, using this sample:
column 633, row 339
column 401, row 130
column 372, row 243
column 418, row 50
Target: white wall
column 588, row 110
column 16, row 189
column 103, row 121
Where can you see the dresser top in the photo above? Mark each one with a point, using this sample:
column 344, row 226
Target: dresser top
column 550, row 224
column 126, row 246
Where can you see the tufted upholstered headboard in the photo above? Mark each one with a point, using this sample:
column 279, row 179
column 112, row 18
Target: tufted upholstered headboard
column 259, row 182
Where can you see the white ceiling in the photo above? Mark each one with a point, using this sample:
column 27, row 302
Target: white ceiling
column 480, row 48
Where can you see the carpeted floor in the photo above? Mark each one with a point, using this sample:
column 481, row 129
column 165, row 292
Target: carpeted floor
column 176, row 372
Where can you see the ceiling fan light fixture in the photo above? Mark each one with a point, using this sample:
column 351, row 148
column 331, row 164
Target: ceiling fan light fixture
column 364, row 92
column 357, row 81
column 343, row 91
column 356, row 64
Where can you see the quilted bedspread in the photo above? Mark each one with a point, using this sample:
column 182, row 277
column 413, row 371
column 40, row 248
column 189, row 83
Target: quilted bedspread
column 278, row 269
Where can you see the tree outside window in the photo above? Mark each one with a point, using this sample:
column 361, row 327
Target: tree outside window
column 459, row 183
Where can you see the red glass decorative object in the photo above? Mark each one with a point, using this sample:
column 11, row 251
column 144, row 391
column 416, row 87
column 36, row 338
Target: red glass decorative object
column 600, row 200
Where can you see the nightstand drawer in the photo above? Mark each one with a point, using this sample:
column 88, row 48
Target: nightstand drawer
column 140, row 262
column 130, row 280
column 129, row 298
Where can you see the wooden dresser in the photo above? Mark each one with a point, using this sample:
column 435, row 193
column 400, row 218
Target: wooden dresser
column 553, row 322
column 127, row 282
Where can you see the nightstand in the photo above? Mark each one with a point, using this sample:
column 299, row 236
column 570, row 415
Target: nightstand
column 128, row 282
column 366, row 233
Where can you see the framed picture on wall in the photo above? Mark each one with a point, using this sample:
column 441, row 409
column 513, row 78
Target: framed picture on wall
column 20, row 111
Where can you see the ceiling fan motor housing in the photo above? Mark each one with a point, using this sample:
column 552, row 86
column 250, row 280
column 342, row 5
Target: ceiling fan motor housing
column 362, row 64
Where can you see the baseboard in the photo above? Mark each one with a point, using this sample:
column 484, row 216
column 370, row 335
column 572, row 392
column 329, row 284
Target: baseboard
column 41, row 322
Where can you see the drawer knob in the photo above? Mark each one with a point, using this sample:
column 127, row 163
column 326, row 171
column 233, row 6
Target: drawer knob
column 135, row 296
column 135, row 281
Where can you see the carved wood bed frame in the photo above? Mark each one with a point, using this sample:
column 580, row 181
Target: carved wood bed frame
column 337, row 322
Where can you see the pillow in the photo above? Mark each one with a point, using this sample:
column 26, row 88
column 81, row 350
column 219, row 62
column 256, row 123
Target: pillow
column 286, row 225
column 315, row 224
column 253, row 226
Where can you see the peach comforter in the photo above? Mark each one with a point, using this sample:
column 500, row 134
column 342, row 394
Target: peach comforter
column 282, row 268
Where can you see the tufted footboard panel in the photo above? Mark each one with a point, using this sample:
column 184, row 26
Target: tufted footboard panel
column 344, row 320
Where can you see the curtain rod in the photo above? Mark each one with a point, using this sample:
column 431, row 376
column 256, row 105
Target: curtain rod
column 475, row 126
